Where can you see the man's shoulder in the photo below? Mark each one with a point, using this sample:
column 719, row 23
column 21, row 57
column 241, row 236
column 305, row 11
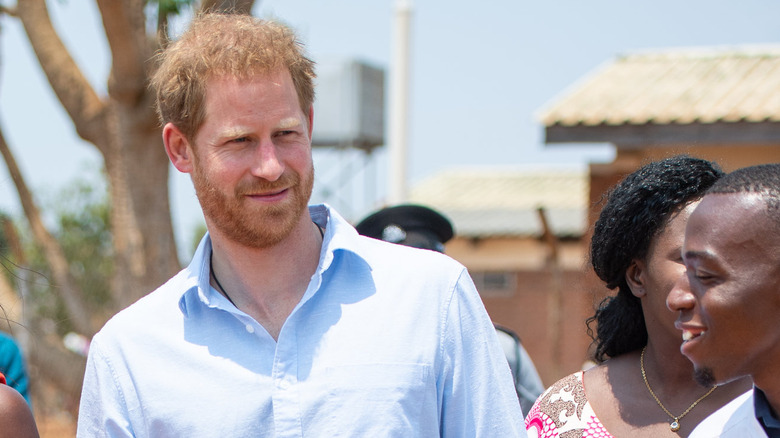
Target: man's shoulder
column 735, row 419
column 158, row 305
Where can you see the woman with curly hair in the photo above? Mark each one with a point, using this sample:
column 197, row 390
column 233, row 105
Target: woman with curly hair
column 643, row 385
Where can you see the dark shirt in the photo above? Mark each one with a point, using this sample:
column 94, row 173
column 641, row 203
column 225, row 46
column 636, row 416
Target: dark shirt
column 765, row 414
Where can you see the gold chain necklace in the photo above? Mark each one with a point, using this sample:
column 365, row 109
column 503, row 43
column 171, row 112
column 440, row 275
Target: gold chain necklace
column 675, row 424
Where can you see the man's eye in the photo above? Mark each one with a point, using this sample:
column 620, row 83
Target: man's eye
column 240, row 139
column 704, row 277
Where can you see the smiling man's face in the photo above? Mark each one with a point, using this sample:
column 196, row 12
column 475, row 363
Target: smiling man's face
column 731, row 316
column 252, row 166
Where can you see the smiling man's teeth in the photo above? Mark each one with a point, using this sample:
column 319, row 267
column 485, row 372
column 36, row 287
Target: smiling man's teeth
column 688, row 335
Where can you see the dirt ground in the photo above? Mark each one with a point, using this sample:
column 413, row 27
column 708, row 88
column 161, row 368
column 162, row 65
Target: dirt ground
column 57, row 426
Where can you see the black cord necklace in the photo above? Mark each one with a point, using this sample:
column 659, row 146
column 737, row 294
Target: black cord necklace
column 222, row 288
column 216, row 280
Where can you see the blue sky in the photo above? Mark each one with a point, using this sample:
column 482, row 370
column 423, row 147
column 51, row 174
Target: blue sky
column 480, row 70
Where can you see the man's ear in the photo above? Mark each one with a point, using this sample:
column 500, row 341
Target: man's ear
column 311, row 121
column 178, row 148
column 635, row 277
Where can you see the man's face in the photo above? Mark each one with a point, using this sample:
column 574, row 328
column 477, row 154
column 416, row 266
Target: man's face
column 252, row 166
column 730, row 316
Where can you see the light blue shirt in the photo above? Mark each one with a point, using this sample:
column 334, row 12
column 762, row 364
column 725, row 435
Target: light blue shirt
column 736, row 419
column 387, row 341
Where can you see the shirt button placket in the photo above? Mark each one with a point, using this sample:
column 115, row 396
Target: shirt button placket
column 287, row 415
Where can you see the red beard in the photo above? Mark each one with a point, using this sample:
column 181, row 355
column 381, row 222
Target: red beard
column 251, row 225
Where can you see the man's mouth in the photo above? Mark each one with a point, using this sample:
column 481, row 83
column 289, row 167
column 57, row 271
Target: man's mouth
column 687, row 335
column 268, row 194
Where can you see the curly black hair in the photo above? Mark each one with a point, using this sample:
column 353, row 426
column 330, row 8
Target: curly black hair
column 637, row 209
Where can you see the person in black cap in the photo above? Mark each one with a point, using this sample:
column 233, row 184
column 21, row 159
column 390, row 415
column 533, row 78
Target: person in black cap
column 411, row 225
column 419, row 226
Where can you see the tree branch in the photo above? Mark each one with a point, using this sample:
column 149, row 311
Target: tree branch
column 71, row 87
column 232, row 6
column 52, row 250
column 125, row 28
column 8, row 11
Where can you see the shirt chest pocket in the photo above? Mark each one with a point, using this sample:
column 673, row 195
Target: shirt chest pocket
column 381, row 400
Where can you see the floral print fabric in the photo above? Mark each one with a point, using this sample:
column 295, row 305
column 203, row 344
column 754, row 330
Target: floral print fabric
column 563, row 411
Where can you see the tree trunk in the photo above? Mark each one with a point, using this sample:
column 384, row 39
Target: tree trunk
column 124, row 129
column 137, row 168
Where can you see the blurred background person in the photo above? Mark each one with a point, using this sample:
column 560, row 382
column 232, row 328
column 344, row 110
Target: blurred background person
column 13, row 367
column 643, row 385
column 528, row 384
column 16, row 417
column 423, row 227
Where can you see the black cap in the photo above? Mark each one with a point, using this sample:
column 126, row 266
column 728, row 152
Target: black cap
column 410, row 225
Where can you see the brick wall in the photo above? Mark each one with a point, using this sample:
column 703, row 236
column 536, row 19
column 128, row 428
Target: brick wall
column 548, row 312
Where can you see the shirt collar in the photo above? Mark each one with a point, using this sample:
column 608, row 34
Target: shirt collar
column 197, row 278
column 339, row 236
column 764, row 413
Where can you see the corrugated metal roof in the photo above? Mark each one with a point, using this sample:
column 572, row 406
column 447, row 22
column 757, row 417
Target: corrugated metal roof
column 678, row 86
column 485, row 202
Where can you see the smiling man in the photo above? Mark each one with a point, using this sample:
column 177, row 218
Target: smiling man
column 287, row 322
column 730, row 314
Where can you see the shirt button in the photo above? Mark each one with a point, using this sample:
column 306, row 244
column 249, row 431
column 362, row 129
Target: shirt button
column 249, row 328
column 284, row 384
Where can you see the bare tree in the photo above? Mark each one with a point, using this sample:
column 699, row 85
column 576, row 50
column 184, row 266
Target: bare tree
column 123, row 127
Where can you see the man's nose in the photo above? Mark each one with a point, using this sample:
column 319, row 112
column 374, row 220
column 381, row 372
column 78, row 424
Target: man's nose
column 681, row 297
column 266, row 163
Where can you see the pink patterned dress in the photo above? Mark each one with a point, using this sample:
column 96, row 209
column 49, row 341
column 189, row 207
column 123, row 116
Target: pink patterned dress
column 563, row 411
